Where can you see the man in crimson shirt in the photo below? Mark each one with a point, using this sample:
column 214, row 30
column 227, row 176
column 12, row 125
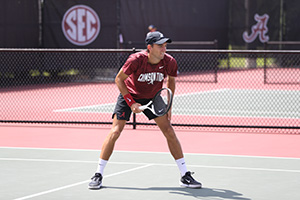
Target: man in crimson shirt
column 139, row 80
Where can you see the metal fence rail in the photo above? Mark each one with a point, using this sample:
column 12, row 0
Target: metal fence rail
column 215, row 88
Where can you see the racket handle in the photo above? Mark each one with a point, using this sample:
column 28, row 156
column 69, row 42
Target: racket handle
column 142, row 107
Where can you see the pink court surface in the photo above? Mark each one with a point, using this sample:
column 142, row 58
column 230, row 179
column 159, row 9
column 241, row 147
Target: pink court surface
column 151, row 140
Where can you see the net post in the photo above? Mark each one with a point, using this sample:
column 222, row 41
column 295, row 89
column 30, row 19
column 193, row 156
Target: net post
column 134, row 121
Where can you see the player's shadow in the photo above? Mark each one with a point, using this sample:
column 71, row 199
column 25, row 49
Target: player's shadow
column 204, row 192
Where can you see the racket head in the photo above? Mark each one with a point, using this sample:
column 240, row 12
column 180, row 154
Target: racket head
column 162, row 101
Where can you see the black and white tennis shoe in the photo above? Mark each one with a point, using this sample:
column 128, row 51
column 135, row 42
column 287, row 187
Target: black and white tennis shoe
column 96, row 182
column 188, row 181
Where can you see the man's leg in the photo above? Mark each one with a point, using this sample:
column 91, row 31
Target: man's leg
column 111, row 138
column 172, row 140
column 175, row 148
column 107, row 149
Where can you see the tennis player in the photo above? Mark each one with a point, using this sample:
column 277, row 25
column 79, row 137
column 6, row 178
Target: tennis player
column 140, row 78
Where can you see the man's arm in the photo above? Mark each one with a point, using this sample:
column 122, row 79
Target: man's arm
column 171, row 83
column 119, row 80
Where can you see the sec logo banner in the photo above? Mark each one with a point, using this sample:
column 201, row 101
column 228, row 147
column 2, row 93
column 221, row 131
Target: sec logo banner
column 81, row 25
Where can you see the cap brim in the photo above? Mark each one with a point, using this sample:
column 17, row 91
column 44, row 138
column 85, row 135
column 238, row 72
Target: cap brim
column 163, row 40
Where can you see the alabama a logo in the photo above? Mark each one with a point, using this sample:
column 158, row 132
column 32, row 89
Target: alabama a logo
column 259, row 29
column 81, row 25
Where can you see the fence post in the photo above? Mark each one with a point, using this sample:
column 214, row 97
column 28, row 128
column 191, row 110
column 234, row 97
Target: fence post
column 265, row 69
column 134, row 115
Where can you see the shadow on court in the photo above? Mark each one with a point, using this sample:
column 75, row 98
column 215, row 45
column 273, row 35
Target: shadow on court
column 204, row 192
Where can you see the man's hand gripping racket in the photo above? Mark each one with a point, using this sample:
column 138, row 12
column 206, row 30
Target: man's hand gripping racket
column 161, row 103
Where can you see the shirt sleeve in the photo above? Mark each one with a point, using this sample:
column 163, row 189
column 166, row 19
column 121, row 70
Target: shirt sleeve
column 172, row 67
column 130, row 65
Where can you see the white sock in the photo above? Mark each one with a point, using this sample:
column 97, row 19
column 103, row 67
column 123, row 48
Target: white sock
column 101, row 165
column 182, row 166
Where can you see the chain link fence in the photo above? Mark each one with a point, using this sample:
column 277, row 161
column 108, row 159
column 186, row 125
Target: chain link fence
column 216, row 89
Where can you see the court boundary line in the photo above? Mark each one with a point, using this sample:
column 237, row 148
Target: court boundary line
column 143, row 165
column 83, row 107
column 120, row 151
column 78, row 183
column 154, row 164
column 240, row 114
column 232, row 112
column 109, row 104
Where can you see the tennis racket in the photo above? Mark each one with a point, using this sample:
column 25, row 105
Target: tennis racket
column 161, row 103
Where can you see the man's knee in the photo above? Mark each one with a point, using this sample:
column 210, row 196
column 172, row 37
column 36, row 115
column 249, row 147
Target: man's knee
column 169, row 132
column 115, row 134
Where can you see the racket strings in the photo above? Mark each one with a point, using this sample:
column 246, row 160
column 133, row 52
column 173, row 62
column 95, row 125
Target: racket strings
column 161, row 102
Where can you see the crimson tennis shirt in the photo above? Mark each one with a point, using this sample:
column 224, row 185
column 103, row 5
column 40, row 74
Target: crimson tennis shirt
column 145, row 79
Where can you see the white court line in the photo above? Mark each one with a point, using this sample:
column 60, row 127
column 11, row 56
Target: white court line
column 150, row 152
column 83, row 107
column 202, row 92
column 78, row 183
column 144, row 165
column 153, row 164
column 209, row 112
column 232, row 112
column 240, row 113
column 109, row 104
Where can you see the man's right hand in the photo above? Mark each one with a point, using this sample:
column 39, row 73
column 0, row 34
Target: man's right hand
column 135, row 108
